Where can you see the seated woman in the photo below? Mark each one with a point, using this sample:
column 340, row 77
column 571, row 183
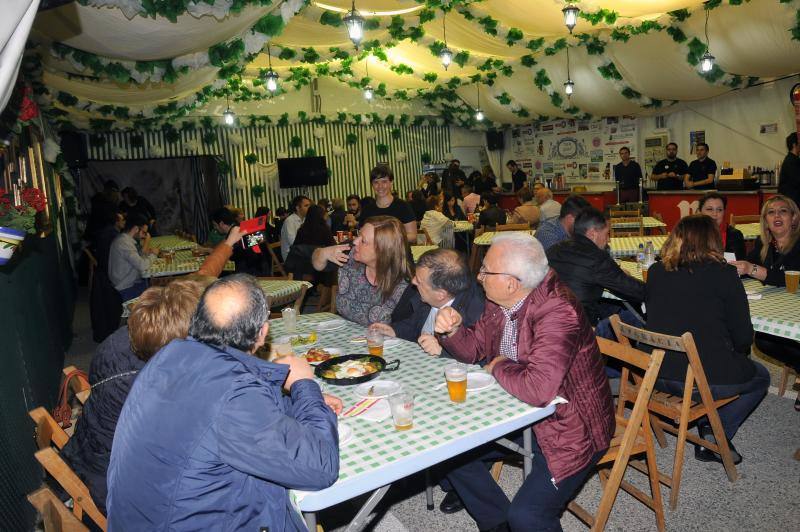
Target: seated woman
column 527, row 212
column 438, row 226
column 713, row 205
column 491, row 214
column 161, row 315
column 693, row 289
column 776, row 251
column 375, row 274
column 452, row 209
column 314, row 232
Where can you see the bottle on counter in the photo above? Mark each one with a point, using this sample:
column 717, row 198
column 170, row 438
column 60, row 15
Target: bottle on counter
column 649, row 253
column 640, row 256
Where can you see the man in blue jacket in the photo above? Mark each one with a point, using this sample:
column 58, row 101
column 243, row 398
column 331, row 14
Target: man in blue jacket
column 207, row 440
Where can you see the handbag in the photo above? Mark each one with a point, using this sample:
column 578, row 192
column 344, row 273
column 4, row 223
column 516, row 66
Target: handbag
column 62, row 412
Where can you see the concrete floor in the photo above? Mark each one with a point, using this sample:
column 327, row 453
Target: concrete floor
column 766, row 497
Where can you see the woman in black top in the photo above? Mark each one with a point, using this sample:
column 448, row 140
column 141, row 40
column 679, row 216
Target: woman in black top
column 713, row 205
column 776, row 251
column 694, row 290
column 382, row 179
column 418, row 204
column 451, row 209
column 313, row 232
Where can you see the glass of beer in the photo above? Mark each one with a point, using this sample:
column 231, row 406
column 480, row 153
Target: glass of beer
column 282, row 346
column 644, row 272
column 792, row 280
column 402, row 406
column 375, row 343
column 456, row 377
column 339, row 237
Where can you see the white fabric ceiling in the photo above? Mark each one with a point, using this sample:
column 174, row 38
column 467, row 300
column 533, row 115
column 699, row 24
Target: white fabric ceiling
column 753, row 39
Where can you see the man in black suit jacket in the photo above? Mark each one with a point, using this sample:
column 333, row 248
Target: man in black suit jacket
column 442, row 280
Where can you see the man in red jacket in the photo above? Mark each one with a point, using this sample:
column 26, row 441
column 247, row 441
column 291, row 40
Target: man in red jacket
column 539, row 344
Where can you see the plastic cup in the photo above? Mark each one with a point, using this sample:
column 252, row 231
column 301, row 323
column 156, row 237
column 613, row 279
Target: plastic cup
column 645, row 269
column 792, row 280
column 456, row 377
column 289, row 320
column 402, row 406
column 282, row 346
column 339, row 236
column 375, row 343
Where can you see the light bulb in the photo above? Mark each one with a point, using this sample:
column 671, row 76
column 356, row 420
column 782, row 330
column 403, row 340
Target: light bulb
column 570, row 17
column 446, row 56
column 272, row 81
column 479, row 115
column 569, row 87
column 707, row 62
column 368, row 93
column 229, row 116
column 354, row 23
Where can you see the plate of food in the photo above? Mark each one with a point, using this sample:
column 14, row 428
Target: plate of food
column 303, row 340
column 353, row 369
column 315, row 355
column 377, row 389
column 331, row 325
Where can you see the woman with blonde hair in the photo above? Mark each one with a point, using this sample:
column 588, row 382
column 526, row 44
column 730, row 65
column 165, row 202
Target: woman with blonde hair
column 436, row 224
column 778, row 248
column 374, row 275
column 527, row 212
column 693, row 289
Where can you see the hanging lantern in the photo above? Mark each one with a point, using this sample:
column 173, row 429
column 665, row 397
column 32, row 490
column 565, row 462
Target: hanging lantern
column 354, row 23
column 707, row 60
column 228, row 116
column 569, row 87
column 271, row 80
column 570, row 16
column 446, row 56
column 368, row 93
column 479, row 115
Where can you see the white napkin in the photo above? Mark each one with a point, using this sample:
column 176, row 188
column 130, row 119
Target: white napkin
column 370, row 409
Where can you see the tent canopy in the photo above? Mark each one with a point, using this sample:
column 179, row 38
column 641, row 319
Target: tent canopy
column 126, row 63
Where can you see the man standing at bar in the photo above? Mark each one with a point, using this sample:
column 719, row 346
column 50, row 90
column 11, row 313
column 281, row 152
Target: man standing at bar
column 789, row 184
column 701, row 171
column 628, row 175
column 518, row 177
column 539, row 345
column 668, row 173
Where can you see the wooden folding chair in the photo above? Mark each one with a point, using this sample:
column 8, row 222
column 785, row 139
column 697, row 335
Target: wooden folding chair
column 622, row 213
column 327, row 298
column 633, row 226
column 79, row 385
column 513, row 227
column 632, row 436
column 55, row 515
column 745, row 219
column 49, row 433
column 680, row 410
column 277, row 263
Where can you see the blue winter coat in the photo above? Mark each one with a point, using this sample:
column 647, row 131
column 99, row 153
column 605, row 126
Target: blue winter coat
column 208, row 441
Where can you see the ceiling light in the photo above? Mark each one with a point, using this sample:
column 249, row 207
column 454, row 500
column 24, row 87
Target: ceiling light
column 355, row 25
column 707, row 62
column 368, row 93
column 270, row 77
column 570, row 16
column 446, row 56
column 479, row 115
column 228, row 116
column 569, row 87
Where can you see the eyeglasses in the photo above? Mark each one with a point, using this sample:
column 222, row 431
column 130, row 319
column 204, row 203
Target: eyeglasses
column 483, row 272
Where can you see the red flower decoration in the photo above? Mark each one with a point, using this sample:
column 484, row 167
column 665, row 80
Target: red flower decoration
column 28, row 110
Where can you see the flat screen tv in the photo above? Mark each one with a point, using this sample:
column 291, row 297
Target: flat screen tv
column 302, row 172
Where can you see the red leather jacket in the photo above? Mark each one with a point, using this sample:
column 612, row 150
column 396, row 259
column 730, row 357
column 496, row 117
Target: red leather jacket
column 557, row 355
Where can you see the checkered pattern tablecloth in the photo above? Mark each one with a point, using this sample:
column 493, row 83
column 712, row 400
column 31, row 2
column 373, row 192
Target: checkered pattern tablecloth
column 628, row 246
column 280, row 291
column 462, row 226
column 750, row 231
column 183, row 262
column 775, row 313
column 417, row 251
column 172, row 243
column 486, row 238
column 437, row 420
column 648, row 222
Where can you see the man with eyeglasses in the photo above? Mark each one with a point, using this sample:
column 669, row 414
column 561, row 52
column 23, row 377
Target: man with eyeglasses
column 539, row 345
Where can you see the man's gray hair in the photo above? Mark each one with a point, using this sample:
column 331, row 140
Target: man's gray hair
column 523, row 257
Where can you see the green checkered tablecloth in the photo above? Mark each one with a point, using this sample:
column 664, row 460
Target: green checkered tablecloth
column 628, row 246
column 485, row 239
column 172, row 243
column 775, row 313
column 750, row 231
column 462, row 226
column 280, row 291
column 648, row 222
column 183, row 262
column 417, row 251
column 437, row 421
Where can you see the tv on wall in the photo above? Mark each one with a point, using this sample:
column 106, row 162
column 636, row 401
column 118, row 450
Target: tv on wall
column 302, row 172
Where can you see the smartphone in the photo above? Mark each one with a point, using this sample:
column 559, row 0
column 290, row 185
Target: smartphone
column 253, row 239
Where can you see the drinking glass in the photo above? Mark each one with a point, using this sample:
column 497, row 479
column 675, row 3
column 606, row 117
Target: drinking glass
column 456, row 377
column 402, row 406
column 282, row 346
column 792, row 280
column 375, row 343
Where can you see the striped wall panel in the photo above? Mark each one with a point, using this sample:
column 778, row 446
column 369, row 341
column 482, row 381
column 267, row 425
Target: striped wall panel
column 349, row 172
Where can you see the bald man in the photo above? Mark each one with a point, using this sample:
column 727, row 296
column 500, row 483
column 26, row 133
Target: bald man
column 207, row 439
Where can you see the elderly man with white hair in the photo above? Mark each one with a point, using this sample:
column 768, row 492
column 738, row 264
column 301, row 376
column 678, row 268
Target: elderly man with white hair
column 538, row 344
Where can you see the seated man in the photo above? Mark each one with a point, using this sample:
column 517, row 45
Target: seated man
column 492, row 215
column 539, row 345
column 126, row 263
column 548, row 207
column 207, row 440
column 557, row 230
column 442, row 280
column 161, row 315
column 585, row 265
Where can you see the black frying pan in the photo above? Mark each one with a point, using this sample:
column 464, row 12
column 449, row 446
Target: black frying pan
column 378, row 361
